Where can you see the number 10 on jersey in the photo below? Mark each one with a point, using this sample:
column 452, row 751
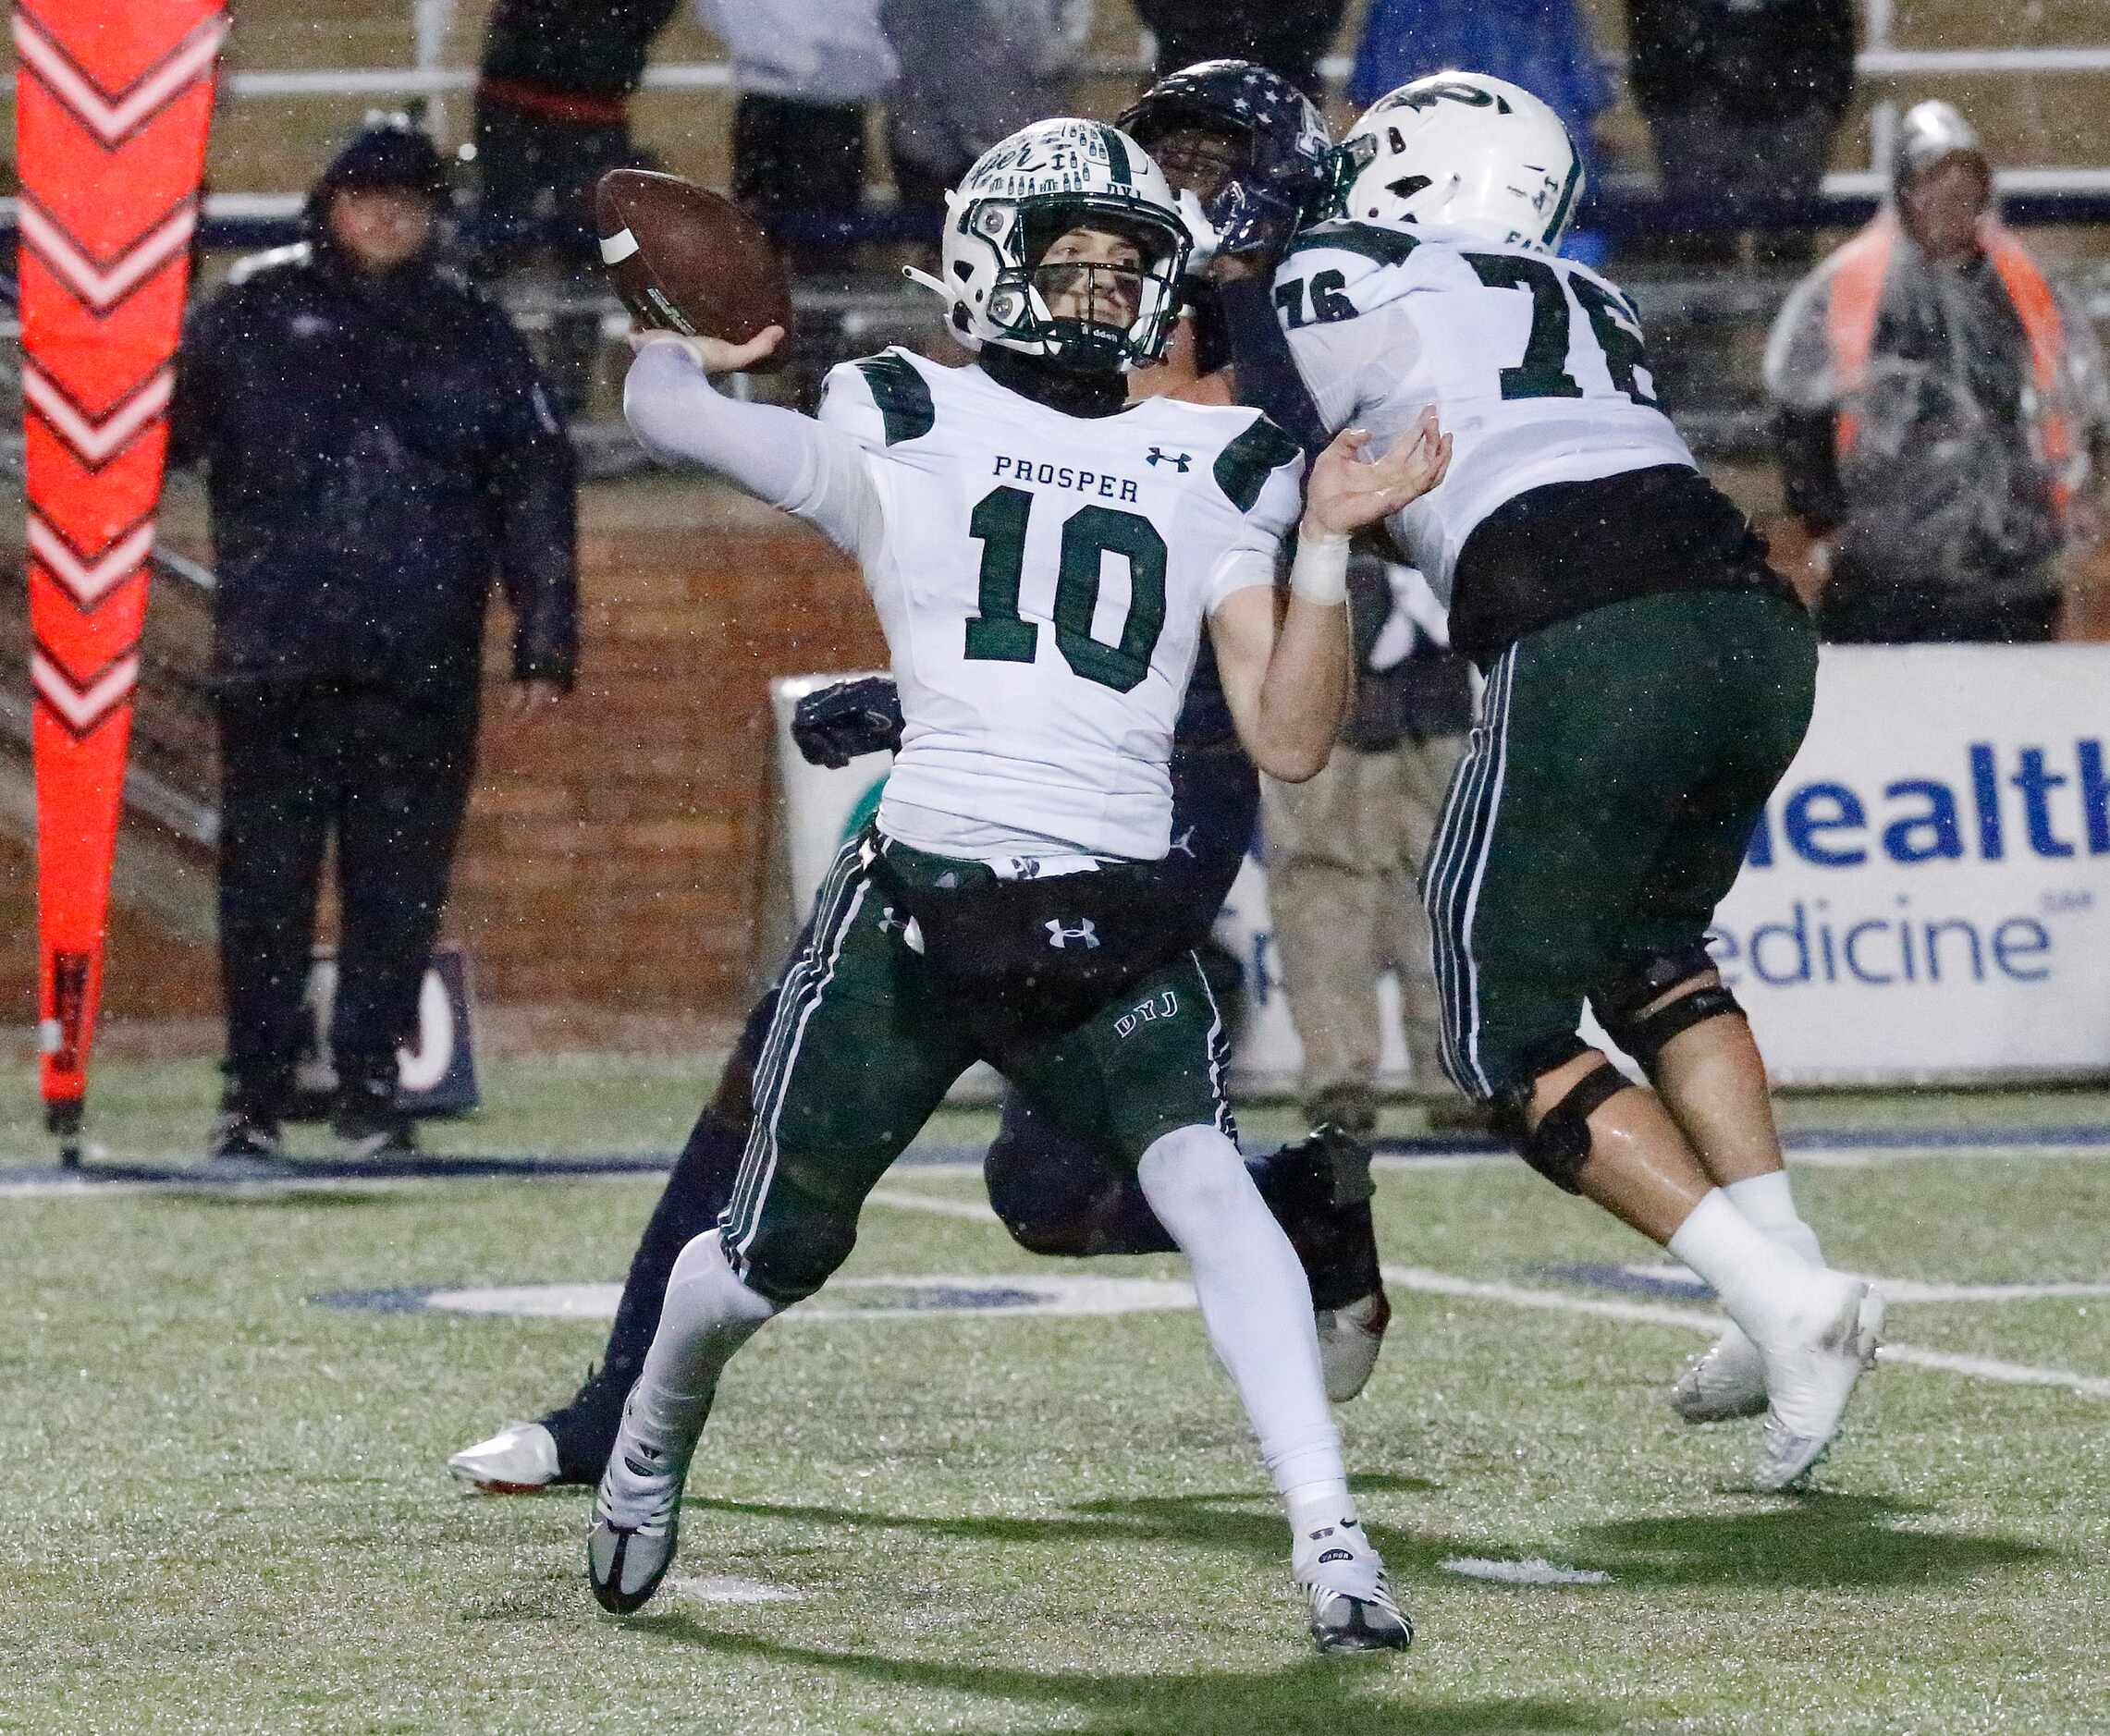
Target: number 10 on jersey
column 998, row 635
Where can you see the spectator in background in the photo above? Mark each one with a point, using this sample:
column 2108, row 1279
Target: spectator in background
column 805, row 73
column 1545, row 45
column 377, row 444
column 1941, row 411
column 973, row 72
column 1742, row 97
column 1344, row 851
column 1286, row 36
column 553, row 93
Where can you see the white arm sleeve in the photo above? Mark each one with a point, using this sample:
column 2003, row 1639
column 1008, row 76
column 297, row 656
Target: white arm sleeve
column 787, row 461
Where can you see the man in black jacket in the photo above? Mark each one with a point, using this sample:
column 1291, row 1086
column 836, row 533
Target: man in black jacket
column 378, row 445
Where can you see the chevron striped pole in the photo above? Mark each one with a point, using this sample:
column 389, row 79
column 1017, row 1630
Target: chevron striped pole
column 113, row 102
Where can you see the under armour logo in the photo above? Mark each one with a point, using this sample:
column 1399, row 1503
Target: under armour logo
column 1184, row 845
column 889, row 922
column 1060, row 936
column 1159, row 455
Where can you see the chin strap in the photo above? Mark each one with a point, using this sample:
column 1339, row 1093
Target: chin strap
column 926, row 281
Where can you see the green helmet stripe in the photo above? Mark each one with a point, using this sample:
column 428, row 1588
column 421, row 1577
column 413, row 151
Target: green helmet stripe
column 1567, row 200
column 1116, row 157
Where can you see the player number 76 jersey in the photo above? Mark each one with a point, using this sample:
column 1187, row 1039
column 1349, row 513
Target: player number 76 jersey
column 1044, row 580
column 1536, row 365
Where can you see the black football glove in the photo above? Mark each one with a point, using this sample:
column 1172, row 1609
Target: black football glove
column 836, row 724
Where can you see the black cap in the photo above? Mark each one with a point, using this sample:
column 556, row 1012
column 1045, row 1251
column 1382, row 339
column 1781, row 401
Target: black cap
column 388, row 152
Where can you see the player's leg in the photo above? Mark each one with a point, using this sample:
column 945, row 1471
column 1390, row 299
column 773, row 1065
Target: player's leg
column 1145, row 1077
column 1665, row 1004
column 570, row 1444
column 861, row 1050
column 274, row 817
column 1059, row 1194
column 1593, row 732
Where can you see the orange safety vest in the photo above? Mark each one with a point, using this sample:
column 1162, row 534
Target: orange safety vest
column 1858, row 277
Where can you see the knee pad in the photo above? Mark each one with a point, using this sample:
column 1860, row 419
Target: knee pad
column 1559, row 1146
column 1642, row 1035
column 1053, row 1192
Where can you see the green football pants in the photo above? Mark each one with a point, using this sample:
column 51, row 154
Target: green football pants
column 1602, row 812
column 869, row 1037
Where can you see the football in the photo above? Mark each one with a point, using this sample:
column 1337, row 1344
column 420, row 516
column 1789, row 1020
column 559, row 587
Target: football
column 687, row 259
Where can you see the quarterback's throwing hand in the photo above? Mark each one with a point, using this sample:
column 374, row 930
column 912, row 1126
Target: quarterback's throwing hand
column 713, row 355
column 1345, row 492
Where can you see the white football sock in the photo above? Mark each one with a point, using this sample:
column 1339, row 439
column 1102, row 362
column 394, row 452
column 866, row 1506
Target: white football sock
column 708, row 1314
column 1769, row 1201
column 1255, row 1301
column 1757, row 1280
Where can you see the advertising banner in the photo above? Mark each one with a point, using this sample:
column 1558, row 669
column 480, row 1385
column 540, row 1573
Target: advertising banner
column 1928, row 897
column 1927, row 900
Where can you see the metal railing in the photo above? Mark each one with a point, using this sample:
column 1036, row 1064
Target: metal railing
column 1880, row 56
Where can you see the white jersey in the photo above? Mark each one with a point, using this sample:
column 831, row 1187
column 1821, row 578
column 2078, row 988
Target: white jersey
column 1535, row 366
column 1044, row 582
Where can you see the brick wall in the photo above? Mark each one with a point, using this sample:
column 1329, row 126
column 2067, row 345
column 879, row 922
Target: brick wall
column 617, row 850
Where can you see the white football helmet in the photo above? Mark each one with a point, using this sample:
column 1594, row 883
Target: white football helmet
column 1042, row 182
column 1464, row 151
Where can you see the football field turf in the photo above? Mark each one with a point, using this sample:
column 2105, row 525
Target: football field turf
column 979, row 1491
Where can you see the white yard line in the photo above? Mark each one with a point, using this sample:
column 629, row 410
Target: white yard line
column 1422, row 1279
column 1701, row 1320
column 936, row 1205
column 43, row 1184
column 1678, row 1283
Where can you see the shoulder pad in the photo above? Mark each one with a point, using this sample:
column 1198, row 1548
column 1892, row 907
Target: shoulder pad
column 1379, row 244
column 1242, row 469
column 897, row 389
column 272, row 258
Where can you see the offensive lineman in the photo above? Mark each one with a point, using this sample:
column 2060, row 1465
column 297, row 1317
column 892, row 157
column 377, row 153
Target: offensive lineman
column 1251, row 161
column 986, row 913
column 1649, row 678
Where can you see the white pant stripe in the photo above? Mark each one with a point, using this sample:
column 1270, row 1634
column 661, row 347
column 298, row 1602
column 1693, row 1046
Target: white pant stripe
column 1217, row 1047
column 1459, row 862
column 798, row 988
column 1472, row 1027
column 1444, row 854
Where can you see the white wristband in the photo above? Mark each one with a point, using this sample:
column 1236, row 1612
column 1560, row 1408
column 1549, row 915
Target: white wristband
column 1320, row 573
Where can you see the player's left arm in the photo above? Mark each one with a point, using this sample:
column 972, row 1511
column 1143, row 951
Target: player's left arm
column 1287, row 664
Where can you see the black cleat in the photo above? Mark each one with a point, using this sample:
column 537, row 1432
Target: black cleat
column 1341, row 1623
column 637, row 1520
column 238, row 1134
column 368, row 1124
column 1319, row 1190
column 1352, row 1609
